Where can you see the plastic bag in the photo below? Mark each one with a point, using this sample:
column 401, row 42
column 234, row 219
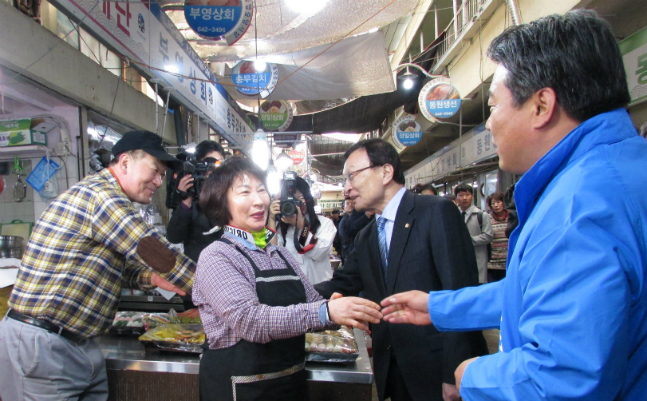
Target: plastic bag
column 332, row 346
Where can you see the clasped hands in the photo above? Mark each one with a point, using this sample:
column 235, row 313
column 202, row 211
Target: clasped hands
column 406, row 307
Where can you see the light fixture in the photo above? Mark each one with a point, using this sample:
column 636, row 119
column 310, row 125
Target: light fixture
column 190, row 147
column 260, row 149
column 408, row 79
column 306, row 7
column 260, row 65
column 273, row 180
column 172, row 68
column 283, row 161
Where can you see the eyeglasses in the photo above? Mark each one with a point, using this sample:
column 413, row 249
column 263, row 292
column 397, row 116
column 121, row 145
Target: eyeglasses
column 352, row 174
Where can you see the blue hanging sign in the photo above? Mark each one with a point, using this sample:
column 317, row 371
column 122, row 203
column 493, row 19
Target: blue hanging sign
column 250, row 82
column 406, row 131
column 438, row 99
column 218, row 19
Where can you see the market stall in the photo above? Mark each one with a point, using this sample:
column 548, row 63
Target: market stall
column 139, row 373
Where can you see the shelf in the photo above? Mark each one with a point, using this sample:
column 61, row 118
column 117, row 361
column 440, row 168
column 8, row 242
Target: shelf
column 24, row 151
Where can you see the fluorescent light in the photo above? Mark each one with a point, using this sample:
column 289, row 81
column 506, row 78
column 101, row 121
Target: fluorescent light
column 373, row 30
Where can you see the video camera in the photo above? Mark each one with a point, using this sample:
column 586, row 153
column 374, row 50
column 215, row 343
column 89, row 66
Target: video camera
column 289, row 203
column 198, row 170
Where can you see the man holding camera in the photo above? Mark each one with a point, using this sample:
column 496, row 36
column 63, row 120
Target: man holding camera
column 188, row 224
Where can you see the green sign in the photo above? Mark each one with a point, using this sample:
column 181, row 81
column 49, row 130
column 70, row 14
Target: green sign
column 276, row 115
column 634, row 55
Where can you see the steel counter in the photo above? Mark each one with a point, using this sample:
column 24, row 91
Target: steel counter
column 139, row 373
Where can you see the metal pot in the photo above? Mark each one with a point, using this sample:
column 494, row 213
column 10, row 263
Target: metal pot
column 11, row 253
column 8, row 242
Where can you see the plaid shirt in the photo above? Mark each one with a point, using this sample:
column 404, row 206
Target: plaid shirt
column 80, row 254
column 225, row 292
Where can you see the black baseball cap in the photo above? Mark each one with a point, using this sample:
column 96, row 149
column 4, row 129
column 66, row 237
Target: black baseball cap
column 148, row 142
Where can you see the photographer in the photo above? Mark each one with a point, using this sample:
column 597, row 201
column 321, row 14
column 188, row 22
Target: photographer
column 311, row 243
column 188, row 224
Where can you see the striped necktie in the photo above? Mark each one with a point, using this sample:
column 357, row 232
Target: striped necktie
column 381, row 237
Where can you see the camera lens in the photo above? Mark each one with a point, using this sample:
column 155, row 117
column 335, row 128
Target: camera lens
column 288, row 209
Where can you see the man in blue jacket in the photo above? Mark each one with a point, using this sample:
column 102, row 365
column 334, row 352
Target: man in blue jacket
column 573, row 307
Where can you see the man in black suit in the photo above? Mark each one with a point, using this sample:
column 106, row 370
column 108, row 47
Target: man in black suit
column 425, row 246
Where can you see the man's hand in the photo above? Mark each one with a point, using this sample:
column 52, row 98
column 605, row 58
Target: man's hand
column 450, row 392
column 407, row 307
column 354, row 311
column 460, row 371
column 158, row 281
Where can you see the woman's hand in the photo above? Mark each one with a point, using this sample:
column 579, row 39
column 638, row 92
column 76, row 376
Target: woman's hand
column 183, row 185
column 275, row 208
column 354, row 311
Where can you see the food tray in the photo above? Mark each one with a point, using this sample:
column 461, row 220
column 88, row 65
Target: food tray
column 337, row 346
column 128, row 323
column 176, row 337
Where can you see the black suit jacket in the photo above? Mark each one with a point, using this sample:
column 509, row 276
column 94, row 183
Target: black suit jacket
column 430, row 250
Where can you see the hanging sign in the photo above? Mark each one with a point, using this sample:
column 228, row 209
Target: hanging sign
column 276, row 115
column 297, row 156
column 406, row 131
column 634, row 55
column 438, row 99
column 250, row 82
column 218, row 19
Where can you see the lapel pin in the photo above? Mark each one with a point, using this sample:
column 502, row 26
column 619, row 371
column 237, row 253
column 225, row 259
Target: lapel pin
column 406, row 225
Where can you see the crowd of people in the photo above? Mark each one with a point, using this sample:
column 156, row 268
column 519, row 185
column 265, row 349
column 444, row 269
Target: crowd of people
column 415, row 265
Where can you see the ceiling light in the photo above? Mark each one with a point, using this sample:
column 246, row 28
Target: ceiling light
column 309, row 7
column 260, row 65
column 172, row 68
column 407, row 79
column 283, row 161
column 260, row 149
column 372, row 30
column 273, row 180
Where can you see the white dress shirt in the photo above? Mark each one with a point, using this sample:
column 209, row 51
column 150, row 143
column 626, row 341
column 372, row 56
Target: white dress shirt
column 389, row 213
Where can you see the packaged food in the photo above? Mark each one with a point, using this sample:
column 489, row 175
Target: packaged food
column 192, row 316
column 153, row 320
column 332, row 346
column 127, row 322
column 176, row 337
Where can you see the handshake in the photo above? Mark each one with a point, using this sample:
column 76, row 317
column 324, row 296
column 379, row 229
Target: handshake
column 407, row 307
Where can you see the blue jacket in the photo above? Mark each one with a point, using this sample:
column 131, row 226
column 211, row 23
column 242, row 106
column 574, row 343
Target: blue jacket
column 573, row 307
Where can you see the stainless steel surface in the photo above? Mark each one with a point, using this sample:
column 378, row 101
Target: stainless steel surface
column 8, row 242
column 127, row 353
column 11, row 253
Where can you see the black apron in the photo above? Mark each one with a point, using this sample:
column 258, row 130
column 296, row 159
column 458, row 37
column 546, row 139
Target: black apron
column 252, row 371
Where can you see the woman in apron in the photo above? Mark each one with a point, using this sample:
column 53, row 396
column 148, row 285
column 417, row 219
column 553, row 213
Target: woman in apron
column 255, row 303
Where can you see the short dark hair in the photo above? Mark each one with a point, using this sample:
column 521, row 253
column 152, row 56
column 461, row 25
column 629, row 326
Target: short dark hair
column 495, row 196
column 420, row 187
column 213, row 197
column 335, row 211
column 575, row 54
column 206, row 147
column 380, row 152
column 463, row 188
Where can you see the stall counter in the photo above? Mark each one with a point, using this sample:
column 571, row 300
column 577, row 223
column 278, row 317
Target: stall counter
column 136, row 373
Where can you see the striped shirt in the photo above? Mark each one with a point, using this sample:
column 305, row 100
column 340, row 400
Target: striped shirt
column 80, row 254
column 225, row 292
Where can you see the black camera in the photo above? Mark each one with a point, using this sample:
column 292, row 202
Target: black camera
column 289, row 203
column 199, row 170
